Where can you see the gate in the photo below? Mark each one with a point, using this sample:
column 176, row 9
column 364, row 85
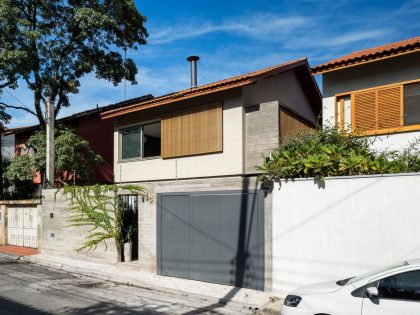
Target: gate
column 22, row 226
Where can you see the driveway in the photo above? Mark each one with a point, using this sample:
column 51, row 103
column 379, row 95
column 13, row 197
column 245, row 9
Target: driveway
column 31, row 289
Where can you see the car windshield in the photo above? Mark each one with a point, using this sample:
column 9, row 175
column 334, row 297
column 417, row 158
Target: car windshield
column 372, row 273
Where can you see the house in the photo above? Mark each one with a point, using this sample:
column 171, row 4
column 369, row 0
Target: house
column 375, row 92
column 89, row 126
column 205, row 216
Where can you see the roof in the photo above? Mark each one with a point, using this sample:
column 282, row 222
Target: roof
column 300, row 66
column 85, row 113
column 371, row 54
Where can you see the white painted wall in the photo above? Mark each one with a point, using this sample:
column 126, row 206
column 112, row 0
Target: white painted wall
column 348, row 227
column 394, row 70
column 229, row 162
column 284, row 88
column 8, row 146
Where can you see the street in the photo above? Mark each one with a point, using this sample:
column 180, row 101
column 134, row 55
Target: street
column 31, row 289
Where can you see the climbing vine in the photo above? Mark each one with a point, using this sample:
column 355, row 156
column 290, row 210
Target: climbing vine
column 100, row 208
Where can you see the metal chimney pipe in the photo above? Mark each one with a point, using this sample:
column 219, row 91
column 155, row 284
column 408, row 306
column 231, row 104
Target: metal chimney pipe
column 193, row 61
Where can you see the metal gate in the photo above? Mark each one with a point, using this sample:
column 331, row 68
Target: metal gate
column 22, row 226
column 212, row 236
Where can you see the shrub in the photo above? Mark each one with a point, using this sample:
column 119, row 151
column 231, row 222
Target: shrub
column 330, row 152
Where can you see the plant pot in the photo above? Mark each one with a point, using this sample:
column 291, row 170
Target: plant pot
column 128, row 250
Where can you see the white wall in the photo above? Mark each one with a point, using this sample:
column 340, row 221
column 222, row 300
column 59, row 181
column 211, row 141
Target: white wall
column 284, row 88
column 348, row 227
column 8, row 146
column 229, row 162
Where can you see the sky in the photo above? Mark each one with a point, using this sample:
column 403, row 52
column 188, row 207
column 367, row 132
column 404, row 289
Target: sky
column 233, row 37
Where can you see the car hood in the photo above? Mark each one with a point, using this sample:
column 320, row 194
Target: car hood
column 318, row 288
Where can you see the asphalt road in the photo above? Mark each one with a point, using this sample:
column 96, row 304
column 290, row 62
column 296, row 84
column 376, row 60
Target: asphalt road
column 31, row 289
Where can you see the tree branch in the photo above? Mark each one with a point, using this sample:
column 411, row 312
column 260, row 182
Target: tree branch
column 18, row 107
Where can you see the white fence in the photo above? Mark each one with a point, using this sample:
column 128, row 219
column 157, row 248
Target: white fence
column 347, row 227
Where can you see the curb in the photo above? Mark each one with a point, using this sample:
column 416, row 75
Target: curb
column 231, row 305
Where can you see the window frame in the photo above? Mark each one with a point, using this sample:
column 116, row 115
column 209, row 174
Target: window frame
column 378, row 282
column 382, row 131
column 133, row 126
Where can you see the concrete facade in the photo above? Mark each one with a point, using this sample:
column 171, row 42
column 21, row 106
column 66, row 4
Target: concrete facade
column 59, row 239
column 383, row 72
column 247, row 136
column 343, row 227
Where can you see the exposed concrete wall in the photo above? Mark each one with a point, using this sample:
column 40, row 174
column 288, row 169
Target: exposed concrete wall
column 284, row 88
column 261, row 134
column 61, row 240
column 229, row 162
column 345, row 228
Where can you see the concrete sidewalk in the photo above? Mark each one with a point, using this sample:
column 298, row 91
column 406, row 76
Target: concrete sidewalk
column 256, row 302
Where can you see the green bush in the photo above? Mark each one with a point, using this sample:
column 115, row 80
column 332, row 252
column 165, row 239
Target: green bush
column 330, row 152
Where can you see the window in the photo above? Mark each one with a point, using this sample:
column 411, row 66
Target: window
column 386, row 109
column 404, row 286
column 412, row 104
column 140, row 141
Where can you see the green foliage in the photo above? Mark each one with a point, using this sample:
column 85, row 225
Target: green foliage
column 330, row 152
column 71, row 154
column 100, row 208
column 48, row 46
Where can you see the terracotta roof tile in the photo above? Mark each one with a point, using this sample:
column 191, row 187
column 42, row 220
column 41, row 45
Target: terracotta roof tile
column 370, row 54
column 213, row 87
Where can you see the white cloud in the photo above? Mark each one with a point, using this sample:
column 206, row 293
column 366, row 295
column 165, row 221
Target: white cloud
column 256, row 25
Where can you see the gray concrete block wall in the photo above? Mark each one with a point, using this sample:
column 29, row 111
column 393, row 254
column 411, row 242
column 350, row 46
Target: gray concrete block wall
column 148, row 210
column 261, row 134
column 59, row 239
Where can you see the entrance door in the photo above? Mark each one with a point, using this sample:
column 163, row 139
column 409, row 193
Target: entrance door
column 212, row 236
column 22, row 226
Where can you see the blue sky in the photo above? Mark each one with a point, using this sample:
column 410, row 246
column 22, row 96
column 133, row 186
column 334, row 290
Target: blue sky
column 238, row 36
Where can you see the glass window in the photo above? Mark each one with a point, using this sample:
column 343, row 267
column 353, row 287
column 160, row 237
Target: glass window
column 141, row 142
column 151, row 140
column 412, row 104
column 404, row 286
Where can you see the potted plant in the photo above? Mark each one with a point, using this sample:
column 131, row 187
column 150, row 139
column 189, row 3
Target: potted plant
column 128, row 244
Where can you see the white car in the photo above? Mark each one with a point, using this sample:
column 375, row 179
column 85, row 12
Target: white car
column 393, row 290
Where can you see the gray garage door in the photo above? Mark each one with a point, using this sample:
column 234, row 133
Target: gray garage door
column 212, row 236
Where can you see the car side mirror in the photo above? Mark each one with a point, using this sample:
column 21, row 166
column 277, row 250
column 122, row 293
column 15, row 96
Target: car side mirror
column 372, row 292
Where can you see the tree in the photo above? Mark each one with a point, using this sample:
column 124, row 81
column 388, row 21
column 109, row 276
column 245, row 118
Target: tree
column 72, row 154
column 50, row 45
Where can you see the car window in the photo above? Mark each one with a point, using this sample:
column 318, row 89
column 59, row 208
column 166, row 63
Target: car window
column 374, row 272
column 403, row 286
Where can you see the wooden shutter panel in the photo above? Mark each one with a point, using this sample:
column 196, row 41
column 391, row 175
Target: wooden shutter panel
column 194, row 131
column 364, row 111
column 389, row 107
column 290, row 124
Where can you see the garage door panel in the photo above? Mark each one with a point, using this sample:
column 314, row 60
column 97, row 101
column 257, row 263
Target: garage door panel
column 225, row 237
column 174, row 215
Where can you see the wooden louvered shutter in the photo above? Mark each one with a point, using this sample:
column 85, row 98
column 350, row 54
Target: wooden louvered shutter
column 389, row 107
column 290, row 125
column 364, row 111
column 194, row 131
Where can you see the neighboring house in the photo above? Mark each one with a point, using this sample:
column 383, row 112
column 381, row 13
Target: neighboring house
column 88, row 125
column 196, row 152
column 375, row 91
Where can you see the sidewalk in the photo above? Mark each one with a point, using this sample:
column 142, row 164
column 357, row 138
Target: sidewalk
column 129, row 273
